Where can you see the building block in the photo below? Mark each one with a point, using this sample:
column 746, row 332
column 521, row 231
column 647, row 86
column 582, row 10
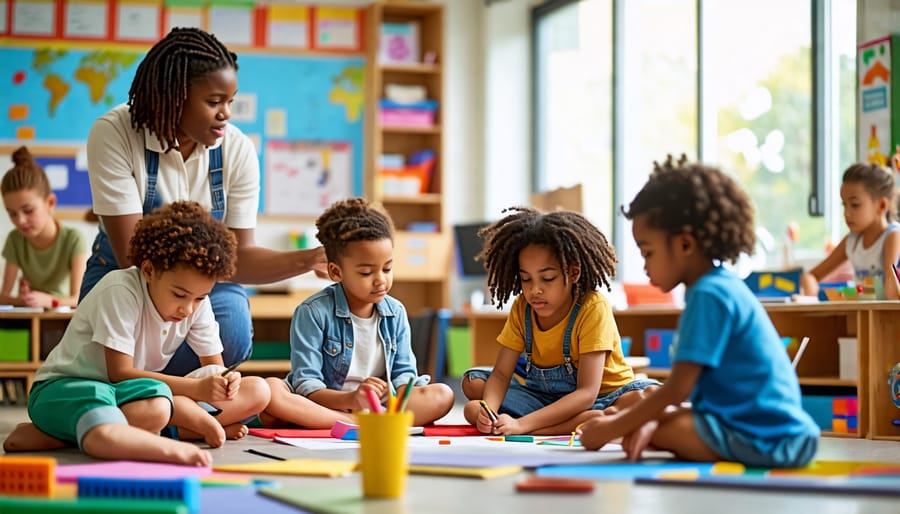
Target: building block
column 89, row 505
column 184, row 490
column 27, row 476
column 845, row 406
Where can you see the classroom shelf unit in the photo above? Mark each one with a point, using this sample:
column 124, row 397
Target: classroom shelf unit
column 26, row 339
column 422, row 259
column 876, row 325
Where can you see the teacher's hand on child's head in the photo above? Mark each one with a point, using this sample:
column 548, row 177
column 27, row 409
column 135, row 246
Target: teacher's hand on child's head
column 317, row 261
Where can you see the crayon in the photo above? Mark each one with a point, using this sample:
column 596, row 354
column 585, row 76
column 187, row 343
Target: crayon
column 488, row 410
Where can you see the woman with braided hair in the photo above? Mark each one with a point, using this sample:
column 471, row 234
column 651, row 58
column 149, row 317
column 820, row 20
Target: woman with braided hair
column 170, row 142
column 574, row 366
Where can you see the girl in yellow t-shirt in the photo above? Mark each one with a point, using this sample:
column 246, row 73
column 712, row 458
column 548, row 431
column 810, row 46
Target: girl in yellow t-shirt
column 50, row 256
column 574, row 366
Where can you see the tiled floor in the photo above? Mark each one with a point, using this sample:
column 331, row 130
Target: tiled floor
column 431, row 494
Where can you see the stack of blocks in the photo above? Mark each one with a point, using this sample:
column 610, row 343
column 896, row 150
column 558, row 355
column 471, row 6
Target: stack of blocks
column 845, row 412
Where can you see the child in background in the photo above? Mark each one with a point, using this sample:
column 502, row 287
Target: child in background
column 873, row 244
column 728, row 359
column 50, row 255
column 574, row 367
column 100, row 387
column 352, row 336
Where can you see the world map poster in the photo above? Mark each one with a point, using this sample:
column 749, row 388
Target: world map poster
column 51, row 97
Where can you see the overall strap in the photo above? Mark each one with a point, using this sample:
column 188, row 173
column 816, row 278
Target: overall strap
column 215, row 183
column 151, row 200
column 567, row 338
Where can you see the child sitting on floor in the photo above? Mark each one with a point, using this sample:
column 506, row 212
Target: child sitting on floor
column 352, row 336
column 100, row 387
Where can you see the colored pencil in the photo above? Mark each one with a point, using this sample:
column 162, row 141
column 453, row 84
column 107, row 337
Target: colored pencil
column 406, row 394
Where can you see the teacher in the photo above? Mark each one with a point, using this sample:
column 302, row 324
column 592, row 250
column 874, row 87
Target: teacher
column 172, row 141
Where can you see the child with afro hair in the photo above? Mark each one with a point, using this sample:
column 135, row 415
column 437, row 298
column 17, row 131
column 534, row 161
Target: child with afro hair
column 728, row 360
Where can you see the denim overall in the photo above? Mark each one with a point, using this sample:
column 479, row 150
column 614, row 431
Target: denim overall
column 544, row 386
column 229, row 300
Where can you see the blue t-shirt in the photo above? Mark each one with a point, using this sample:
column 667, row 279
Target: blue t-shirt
column 747, row 381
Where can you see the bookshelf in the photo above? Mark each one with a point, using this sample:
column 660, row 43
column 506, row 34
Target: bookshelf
column 422, row 259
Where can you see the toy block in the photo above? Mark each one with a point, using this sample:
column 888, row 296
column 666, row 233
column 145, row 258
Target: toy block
column 89, row 505
column 845, row 406
column 185, row 490
column 27, row 476
column 839, row 425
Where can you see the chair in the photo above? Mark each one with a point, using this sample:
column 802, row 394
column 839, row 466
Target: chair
column 422, row 331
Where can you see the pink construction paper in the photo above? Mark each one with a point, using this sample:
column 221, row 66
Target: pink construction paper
column 69, row 473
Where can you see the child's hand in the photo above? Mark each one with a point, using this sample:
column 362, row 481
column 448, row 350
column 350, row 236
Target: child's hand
column 233, row 384
column 214, row 388
column 596, row 432
column 378, row 386
column 37, row 299
column 507, row 425
column 636, row 442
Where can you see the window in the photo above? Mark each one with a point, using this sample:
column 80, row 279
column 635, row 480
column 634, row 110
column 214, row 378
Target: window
column 741, row 96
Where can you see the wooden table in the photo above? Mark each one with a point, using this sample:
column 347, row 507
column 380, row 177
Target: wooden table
column 876, row 325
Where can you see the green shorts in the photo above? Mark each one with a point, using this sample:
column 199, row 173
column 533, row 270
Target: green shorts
column 68, row 408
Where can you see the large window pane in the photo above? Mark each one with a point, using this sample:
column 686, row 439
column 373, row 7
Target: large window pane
column 658, row 101
column 759, row 88
column 573, row 89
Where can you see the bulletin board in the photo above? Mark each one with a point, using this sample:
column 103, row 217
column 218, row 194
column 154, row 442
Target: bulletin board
column 67, row 62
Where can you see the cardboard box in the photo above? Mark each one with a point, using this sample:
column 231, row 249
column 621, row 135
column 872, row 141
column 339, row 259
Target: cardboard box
column 421, row 256
column 14, row 344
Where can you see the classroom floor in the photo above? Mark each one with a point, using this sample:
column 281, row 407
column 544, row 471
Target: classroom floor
column 430, row 494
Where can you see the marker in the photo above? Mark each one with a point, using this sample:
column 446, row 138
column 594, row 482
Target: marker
column 373, row 401
column 488, row 410
column 263, row 454
column 406, row 394
column 231, row 368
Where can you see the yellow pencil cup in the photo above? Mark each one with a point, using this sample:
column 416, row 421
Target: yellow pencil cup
column 383, row 453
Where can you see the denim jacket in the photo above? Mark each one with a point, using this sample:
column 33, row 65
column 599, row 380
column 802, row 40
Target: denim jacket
column 322, row 343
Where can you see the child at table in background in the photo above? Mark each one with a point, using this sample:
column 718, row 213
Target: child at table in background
column 728, row 359
column 873, row 244
column 101, row 388
column 352, row 336
column 575, row 367
column 50, row 256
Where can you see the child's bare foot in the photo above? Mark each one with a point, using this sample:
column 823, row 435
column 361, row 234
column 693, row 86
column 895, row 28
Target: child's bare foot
column 179, row 452
column 28, row 438
column 236, row 431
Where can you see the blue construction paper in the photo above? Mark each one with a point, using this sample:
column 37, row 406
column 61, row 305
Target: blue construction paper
column 835, row 485
column 241, row 500
column 623, row 470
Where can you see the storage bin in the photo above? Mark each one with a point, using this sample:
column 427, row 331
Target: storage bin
column 459, row 350
column 847, row 363
column 14, row 344
column 657, row 347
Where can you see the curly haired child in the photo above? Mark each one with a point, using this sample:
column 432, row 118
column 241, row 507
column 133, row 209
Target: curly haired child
column 729, row 361
column 50, row 256
column 352, row 335
column 101, row 388
column 873, row 244
column 574, row 367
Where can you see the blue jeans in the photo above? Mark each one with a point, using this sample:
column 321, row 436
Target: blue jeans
column 229, row 304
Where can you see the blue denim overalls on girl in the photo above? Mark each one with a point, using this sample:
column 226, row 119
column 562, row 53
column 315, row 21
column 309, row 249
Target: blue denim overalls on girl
column 229, row 300
column 544, row 386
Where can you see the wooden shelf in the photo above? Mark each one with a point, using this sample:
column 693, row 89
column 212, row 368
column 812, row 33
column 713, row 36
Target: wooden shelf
column 422, row 69
column 390, row 129
column 420, row 199
column 265, row 366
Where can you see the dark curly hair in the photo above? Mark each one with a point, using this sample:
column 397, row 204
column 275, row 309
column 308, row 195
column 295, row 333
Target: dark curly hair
column 349, row 220
column 25, row 175
column 877, row 181
column 573, row 239
column 184, row 233
column 702, row 201
column 160, row 85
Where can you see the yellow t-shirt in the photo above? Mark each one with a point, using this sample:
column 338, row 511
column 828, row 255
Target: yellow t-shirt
column 594, row 331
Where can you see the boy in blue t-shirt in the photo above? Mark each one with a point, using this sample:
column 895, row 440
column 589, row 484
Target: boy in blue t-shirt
column 729, row 361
